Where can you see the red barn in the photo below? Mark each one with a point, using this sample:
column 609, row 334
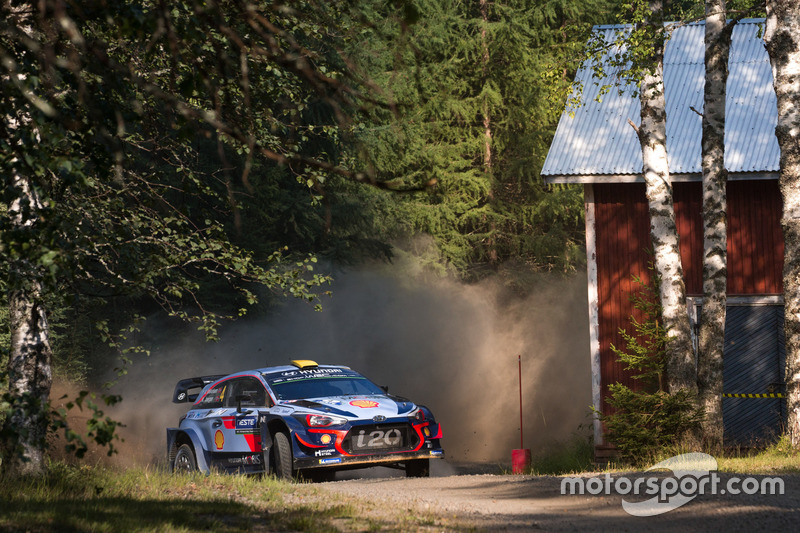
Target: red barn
column 596, row 147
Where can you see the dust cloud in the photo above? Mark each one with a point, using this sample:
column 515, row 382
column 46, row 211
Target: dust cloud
column 450, row 346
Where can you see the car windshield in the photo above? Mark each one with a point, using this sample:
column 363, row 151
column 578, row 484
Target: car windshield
column 298, row 385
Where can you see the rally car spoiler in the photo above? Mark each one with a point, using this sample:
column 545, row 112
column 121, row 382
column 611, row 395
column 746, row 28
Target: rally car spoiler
column 192, row 384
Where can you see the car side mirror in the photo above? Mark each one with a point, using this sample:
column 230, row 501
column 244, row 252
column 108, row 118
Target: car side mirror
column 242, row 398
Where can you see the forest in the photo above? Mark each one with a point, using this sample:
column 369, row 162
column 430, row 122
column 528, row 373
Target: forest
column 203, row 160
column 200, row 161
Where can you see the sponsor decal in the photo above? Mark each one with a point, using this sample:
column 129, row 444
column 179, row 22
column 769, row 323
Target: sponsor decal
column 254, row 459
column 181, row 396
column 330, row 402
column 426, row 431
column 310, row 372
column 330, row 460
column 379, row 438
column 437, row 452
column 248, row 422
column 325, row 438
column 364, row 404
column 323, row 453
column 281, row 410
column 219, row 439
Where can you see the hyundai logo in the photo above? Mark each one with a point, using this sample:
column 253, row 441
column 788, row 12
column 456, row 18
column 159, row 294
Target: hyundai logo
column 378, row 418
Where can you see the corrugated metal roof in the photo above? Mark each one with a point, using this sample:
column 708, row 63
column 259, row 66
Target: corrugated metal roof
column 596, row 141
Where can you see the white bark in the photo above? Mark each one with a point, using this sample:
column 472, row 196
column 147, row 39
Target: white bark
column 711, row 339
column 782, row 39
column 652, row 134
column 29, row 364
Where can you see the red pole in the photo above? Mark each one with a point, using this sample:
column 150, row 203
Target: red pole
column 519, row 361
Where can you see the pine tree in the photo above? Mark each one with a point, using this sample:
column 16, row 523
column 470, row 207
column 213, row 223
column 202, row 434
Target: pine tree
column 477, row 90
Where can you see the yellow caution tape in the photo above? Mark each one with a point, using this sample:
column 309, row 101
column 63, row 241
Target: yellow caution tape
column 768, row 395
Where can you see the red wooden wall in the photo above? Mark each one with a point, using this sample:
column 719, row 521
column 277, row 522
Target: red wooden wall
column 622, row 233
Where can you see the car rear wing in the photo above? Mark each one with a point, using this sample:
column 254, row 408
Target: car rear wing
column 184, row 386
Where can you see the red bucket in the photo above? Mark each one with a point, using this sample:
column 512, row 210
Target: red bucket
column 520, row 461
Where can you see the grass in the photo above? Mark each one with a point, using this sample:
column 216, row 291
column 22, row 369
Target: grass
column 87, row 498
column 777, row 458
column 77, row 498
column 576, row 456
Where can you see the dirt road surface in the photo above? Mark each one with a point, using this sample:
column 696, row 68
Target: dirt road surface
column 496, row 502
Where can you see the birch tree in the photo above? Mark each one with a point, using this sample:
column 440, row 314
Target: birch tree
column 108, row 112
column 782, row 39
column 652, row 133
column 711, row 341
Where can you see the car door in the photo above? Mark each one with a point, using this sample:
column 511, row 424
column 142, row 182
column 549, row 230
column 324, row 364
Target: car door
column 237, row 434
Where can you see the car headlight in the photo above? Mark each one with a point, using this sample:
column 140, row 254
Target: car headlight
column 418, row 414
column 324, row 420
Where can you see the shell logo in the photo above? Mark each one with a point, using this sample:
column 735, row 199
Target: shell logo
column 219, row 439
column 325, row 439
column 364, row 404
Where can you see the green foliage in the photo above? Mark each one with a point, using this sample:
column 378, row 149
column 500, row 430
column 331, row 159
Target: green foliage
column 643, row 421
column 100, row 429
column 460, row 82
column 646, row 353
column 571, row 456
column 135, row 138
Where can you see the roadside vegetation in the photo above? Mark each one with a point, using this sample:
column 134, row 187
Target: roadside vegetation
column 576, row 456
column 93, row 498
column 80, row 497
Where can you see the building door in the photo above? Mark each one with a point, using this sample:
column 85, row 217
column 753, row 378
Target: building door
column 754, row 365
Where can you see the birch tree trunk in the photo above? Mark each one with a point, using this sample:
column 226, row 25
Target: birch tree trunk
column 711, row 341
column 782, row 39
column 24, row 431
column 652, row 135
column 29, row 370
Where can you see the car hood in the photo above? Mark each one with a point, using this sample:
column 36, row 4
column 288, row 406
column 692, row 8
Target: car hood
column 355, row 407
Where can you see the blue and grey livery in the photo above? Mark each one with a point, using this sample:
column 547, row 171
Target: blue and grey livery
column 302, row 418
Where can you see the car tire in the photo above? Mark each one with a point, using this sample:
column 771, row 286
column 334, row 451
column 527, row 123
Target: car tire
column 283, row 456
column 418, row 468
column 185, row 461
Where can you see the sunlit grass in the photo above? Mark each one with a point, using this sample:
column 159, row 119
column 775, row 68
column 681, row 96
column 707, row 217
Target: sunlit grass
column 777, row 458
column 88, row 498
column 576, row 457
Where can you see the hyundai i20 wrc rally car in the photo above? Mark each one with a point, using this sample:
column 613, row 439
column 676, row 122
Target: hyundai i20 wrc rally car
column 302, row 418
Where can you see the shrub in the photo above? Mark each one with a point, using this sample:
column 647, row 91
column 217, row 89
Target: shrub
column 648, row 420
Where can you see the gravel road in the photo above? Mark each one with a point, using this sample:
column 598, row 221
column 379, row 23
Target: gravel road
column 496, row 502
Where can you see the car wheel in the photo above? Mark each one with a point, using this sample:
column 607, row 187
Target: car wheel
column 185, row 461
column 418, row 468
column 283, row 456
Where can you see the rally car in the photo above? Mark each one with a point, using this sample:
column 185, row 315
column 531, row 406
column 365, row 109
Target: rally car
column 302, row 419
